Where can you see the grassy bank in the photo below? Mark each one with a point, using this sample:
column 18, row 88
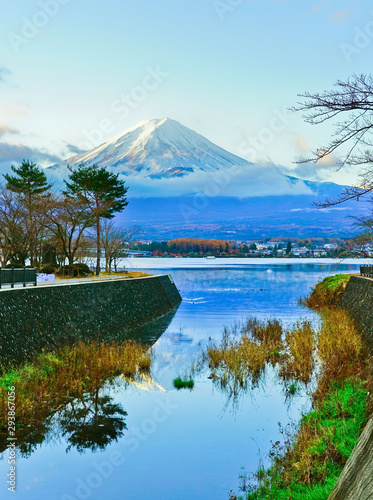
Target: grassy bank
column 53, row 379
column 308, row 463
column 327, row 293
column 308, row 466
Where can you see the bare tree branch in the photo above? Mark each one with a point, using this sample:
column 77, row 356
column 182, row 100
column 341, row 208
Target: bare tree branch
column 353, row 136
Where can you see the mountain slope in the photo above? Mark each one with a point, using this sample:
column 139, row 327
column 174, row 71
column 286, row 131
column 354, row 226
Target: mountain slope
column 239, row 218
column 181, row 184
column 158, row 149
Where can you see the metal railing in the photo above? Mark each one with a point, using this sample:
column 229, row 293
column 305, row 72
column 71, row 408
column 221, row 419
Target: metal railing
column 18, row 276
column 366, row 271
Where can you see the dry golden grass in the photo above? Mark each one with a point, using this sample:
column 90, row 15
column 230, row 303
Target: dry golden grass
column 297, row 362
column 119, row 274
column 340, row 350
column 268, row 335
column 309, row 462
column 54, row 378
column 327, row 435
column 239, row 360
column 136, row 274
column 126, row 274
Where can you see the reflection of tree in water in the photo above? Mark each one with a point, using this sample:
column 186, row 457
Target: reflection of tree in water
column 89, row 423
column 92, row 422
column 33, row 440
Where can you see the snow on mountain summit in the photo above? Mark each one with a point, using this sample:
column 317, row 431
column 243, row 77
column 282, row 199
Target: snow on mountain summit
column 158, row 149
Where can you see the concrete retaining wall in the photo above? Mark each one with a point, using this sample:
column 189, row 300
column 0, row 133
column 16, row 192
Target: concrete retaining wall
column 36, row 317
column 356, row 480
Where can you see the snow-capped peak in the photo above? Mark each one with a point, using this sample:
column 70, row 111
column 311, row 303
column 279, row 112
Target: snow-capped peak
column 158, row 148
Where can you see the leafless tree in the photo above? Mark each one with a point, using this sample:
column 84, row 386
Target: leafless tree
column 14, row 236
column 365, row 236
column 67, row 219
column 115, row 242
column 350, row 106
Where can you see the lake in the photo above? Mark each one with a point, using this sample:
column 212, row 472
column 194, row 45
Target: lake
column 160, row 443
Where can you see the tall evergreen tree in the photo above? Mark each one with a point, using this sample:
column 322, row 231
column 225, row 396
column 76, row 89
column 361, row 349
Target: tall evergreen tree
column 101, row 191
column 31, row 186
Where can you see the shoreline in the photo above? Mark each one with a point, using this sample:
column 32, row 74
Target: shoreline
column 321, row 456
column 231, row 262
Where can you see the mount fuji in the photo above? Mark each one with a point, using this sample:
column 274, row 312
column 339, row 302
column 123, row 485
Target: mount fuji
column 158, row 149
column 183, row 185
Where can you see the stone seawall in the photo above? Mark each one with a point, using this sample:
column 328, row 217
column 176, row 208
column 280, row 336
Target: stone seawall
column 34, row 318
column 357, row 300
column 356, row 479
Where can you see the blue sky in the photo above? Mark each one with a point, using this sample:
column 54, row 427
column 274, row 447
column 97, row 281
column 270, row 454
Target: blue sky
column 73, row 73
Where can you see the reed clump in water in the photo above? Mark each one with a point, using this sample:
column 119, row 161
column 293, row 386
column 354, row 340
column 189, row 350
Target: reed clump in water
column 308, row 464
column 52, row 379
column 259, row 342
column 240, row 358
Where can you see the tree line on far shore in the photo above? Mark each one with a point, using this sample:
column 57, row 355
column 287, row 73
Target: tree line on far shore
column 39, row 226
column 293, row 247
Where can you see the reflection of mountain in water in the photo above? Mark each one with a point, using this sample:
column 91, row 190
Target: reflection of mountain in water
column 178, row 338
column 144, row 382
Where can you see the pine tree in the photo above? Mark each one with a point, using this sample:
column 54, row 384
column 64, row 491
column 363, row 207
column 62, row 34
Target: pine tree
column 31, row 186
column 101, row 191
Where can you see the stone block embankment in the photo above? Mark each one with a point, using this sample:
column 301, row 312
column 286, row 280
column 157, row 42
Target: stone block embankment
column 357, row 300
column 46, row 317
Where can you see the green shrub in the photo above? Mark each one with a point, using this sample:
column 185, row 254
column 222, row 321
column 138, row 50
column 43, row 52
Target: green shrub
column 82, row 269
column 179, row 383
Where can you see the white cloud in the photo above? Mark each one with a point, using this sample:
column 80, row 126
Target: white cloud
column 301, row 142
column 7, row 129
column 9, row 109
column 340, row 16
column 256, row 180
column 15, row 153
column 302, row 145
column 330, row 160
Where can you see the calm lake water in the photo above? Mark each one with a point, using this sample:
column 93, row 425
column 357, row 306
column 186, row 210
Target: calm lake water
column 158, row 443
